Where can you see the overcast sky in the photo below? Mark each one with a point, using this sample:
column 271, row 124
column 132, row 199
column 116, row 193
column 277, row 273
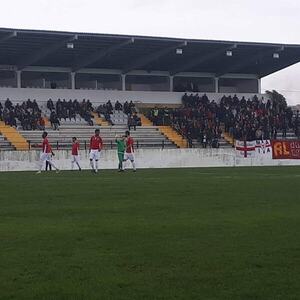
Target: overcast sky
column 239, row 20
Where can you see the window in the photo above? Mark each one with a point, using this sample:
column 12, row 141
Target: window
column 147, row 83
column 48, row 80
column 8, row 79
column 194, row 84
column 237, row 85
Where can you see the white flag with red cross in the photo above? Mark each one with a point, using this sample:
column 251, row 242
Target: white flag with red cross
column 246, row 149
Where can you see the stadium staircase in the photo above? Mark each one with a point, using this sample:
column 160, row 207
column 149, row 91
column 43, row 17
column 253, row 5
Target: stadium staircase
column 167, row 131
column 228, row 138
column 5, row 145
column 173, row 136
column 99, row 121
column 145, row 121
column 13, row 137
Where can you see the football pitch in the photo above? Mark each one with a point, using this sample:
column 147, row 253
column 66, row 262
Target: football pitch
column 217, row 233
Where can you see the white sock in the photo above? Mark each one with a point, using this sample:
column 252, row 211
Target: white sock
column 41, row 165
column 92, row 164
column 96, row 165
column 133, row 165
column 72, row 165
column 53, row 165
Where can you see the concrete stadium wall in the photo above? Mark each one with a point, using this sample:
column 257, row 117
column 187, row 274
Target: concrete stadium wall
column 99, row 96
column 145, row 158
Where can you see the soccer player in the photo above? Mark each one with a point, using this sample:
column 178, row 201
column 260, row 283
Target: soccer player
column 120, row 140
column 96, row 145
column 46, row 154
column 48, row 165
column 129, row 154
column 75, row 153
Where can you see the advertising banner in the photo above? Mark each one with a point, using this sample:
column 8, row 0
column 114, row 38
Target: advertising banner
column 286, row 149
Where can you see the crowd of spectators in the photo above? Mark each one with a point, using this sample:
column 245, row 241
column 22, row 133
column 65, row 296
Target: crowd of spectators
column 255, row 119
column 63, row 109
column 203, row 120
column 27, row 115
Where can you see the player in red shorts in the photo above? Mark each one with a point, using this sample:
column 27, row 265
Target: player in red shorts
column 46, row 154
column 96, row 145
column 75, row 153
column 129, row 153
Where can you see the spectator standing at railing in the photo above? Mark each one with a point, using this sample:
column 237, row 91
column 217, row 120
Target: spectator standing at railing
column 118, row 106
column 8, row 104
column 54, row 120
column 133, row 121
column 109, row 107
column 41, row 123
column 155, row 116
column 50, row 104
column 131, row 107
column 126, row 108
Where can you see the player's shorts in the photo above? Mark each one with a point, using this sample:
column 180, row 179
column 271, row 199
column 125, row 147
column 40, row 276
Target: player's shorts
column 45, row 157
column 75, row 158
column 94, row 155
column 129, row 156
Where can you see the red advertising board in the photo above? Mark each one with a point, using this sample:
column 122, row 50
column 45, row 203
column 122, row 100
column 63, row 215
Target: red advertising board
column 286, row 149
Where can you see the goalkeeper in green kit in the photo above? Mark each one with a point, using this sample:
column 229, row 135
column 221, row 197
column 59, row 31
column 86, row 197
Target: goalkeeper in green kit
column 120, row 140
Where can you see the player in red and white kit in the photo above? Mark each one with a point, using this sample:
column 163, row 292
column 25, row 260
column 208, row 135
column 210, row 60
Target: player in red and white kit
column 75, row 153
column 129, row 153
column 96, row 145
column 46, row 154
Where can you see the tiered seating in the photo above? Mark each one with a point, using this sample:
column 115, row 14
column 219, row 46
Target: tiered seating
column 145, row 137
column 79, row 121
column 290, row 135
column 5, row 145
column 119, row 118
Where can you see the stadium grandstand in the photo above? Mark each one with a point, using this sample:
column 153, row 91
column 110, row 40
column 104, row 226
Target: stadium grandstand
column 170, row 92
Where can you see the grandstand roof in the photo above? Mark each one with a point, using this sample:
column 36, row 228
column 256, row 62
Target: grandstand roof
column 23, row 48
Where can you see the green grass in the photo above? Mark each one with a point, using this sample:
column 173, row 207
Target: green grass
column 227, row 233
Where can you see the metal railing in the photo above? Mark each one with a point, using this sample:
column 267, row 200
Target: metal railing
column 107, row 146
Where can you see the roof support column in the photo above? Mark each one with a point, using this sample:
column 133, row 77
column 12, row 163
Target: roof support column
column 259, row 85
column 216, row 85
column 123, row 78
column 19, row 84
column 171, row 83
column 72, row 78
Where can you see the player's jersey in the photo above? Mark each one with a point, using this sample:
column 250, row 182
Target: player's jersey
column 96, row 143
column 121, row 146
column 46, row 146
column 75, row 148
column 129, row 145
